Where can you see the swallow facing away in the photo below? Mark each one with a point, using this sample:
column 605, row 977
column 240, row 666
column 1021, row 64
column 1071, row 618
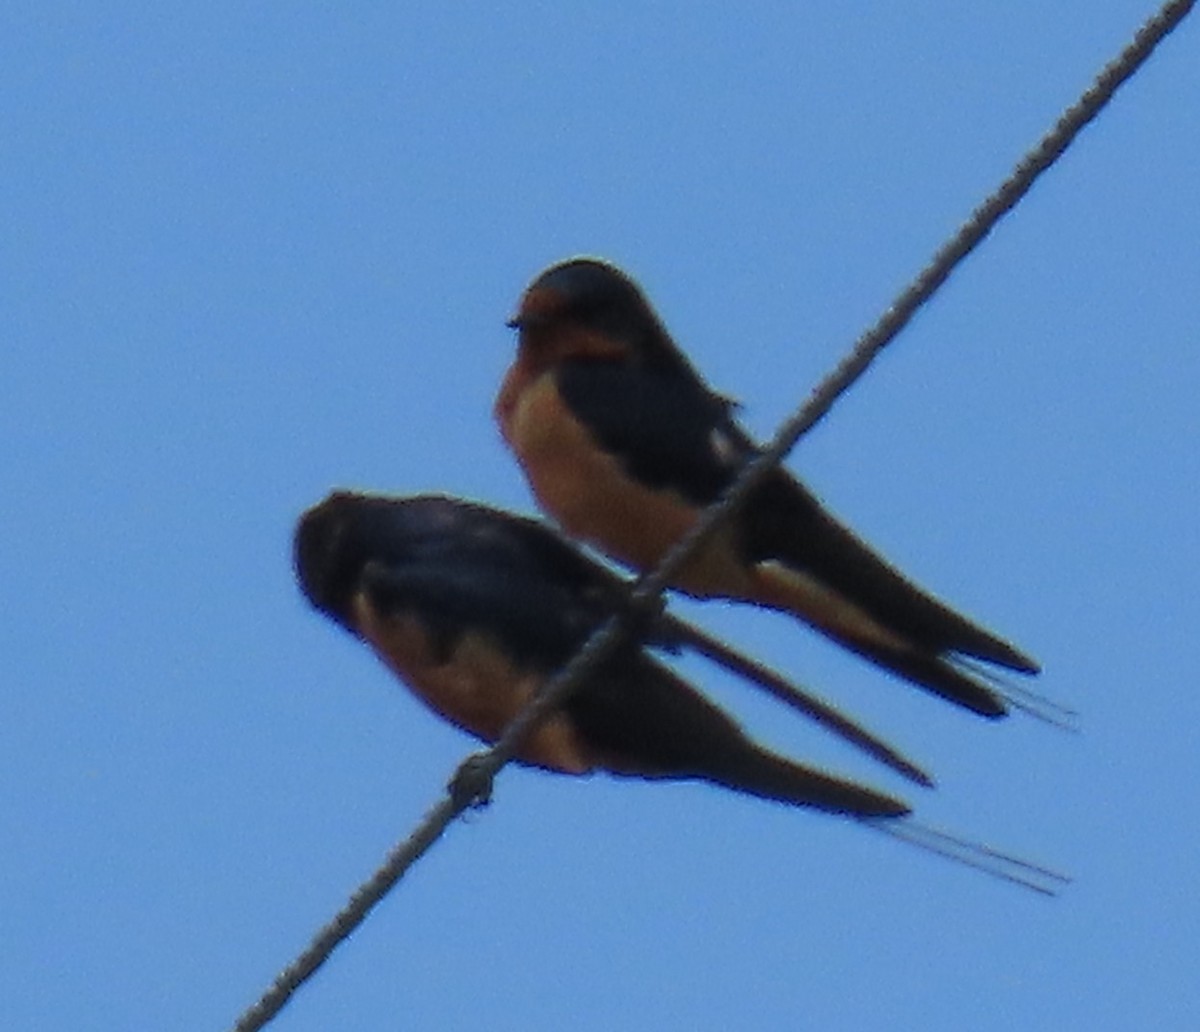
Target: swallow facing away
column 624, row 444
column 474, row 609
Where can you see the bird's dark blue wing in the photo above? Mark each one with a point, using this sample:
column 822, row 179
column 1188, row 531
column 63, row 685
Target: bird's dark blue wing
column 539, row 624
column 666, row 431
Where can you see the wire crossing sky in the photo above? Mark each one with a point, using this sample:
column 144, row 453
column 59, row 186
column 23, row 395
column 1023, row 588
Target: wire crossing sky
column 256, row 253
column 481, row 769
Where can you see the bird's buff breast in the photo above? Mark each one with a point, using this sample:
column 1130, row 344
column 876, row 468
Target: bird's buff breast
column 589, row 493
column 476, row 688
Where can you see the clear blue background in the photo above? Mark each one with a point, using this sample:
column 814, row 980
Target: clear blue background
column 251, row 252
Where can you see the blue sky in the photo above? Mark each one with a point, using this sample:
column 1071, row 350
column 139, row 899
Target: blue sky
column 253, row 252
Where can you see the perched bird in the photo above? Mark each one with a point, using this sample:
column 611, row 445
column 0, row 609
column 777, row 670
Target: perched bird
column 624, row 444
column 474, row 609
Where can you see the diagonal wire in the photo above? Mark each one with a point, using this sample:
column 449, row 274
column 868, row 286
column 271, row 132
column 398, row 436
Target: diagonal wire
column 472, row 782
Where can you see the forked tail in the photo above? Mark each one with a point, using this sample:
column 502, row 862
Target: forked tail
column 969, row 853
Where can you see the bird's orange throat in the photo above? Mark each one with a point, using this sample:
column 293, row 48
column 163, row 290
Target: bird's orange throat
column 588, row 492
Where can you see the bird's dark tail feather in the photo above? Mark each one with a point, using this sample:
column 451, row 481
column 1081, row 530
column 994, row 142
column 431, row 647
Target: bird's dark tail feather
column 806, row 702
column 936, row 675
column 761, row 773
column 969, row 853
column 1019, row 697
column 969, row 684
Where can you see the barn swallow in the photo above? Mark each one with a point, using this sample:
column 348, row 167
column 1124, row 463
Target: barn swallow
column 624, row 444
column 474, row 609
column 474, row 613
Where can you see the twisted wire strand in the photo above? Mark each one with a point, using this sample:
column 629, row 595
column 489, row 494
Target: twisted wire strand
column 471, row 783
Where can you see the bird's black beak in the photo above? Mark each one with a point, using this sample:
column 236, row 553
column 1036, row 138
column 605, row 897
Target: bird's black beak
column 526, row 319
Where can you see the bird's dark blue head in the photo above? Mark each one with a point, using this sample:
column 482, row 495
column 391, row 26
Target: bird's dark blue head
column 335, row 540
column 462, row 566
column 604, row 309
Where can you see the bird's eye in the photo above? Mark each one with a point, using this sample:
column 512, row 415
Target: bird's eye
column 526, row 320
